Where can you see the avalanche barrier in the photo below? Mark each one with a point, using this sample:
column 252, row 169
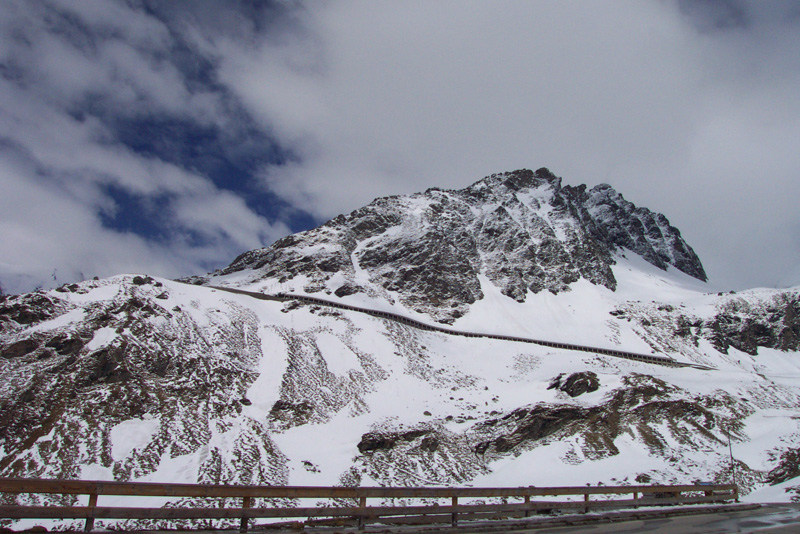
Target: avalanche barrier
column 645, row 358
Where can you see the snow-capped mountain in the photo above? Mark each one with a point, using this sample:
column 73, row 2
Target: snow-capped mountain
column 137, row 378
column 522, row 231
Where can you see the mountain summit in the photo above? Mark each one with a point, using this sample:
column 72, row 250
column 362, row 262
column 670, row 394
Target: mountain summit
column 520, row 231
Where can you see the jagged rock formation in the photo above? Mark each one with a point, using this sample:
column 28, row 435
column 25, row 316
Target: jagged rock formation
column 102, row 354
column 748, row 323
column 788, row 467
column 646, row 406
column 522, row 230
column 424, row 455
column 576, row 384
column 744, row 321
column 638, row 229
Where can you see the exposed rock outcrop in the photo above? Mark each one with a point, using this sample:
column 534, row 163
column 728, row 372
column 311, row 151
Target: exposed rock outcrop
column 576, row 384
column 660, row 414
column 522, row 230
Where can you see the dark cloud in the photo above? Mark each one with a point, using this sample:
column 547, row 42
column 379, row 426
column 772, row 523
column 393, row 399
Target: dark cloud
column 715, row 15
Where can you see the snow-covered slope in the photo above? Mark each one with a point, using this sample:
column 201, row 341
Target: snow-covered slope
column 136, row 378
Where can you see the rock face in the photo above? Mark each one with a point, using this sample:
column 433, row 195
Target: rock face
column 646, row 406
column 522, row 230
column 745, row 321
column 748, row 323
column 638, row 229
column 576, row 384
column 123, row 353
column 788, row 467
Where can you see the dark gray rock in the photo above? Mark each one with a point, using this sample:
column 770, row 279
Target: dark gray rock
column 65, row 344
column 26, row 309
column 291, row 413
column 347, row 289
column 749, row 323
column 576, row 384
column 646, row 233
column 375, row 441
column 788, row 467
column 533, row 424
column 645, row 406
column 20, row 348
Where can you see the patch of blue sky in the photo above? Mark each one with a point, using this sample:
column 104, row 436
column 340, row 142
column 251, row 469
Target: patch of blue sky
column 230, row 160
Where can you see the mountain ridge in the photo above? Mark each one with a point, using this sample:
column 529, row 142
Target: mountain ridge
column 522, row 230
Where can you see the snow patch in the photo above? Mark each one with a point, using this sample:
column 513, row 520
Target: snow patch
column 131, row 434
column 102, row 337
column 779, row 493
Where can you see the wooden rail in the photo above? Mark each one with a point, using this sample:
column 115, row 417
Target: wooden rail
column 645, row 358
column 360, row 513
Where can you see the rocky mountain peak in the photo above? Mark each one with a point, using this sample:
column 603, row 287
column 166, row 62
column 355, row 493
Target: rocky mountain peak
column 648, row 234
column 509, row 183
column 433, row 251
column 523, row 179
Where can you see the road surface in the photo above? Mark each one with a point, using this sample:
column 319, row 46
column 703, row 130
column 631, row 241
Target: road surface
column 769, row 519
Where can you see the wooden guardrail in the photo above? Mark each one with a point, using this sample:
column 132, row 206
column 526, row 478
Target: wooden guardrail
column 356, row 510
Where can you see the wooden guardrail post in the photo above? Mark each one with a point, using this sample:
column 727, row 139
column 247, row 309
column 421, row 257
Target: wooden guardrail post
column 636, row 498
column 89, row 525
column 362, row 508
column 527, row 505
column 586, row 503
column 454, row 518
column 246, row 503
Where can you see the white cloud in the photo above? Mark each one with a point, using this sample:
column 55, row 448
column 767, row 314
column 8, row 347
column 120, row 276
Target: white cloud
column 391, row 98
column 231, row 220
column 403, row 94
column 44, row 228
column 59, row 154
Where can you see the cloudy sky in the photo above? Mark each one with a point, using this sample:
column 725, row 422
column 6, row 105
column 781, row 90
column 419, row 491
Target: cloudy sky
column 167, row 136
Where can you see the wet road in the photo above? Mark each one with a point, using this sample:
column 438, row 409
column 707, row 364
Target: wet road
column 767, row 519
column 770, row 519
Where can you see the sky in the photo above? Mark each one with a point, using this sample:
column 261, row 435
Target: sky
column 167, row 137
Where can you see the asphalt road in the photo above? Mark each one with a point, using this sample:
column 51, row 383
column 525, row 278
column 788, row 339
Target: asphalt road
column 769, row 519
